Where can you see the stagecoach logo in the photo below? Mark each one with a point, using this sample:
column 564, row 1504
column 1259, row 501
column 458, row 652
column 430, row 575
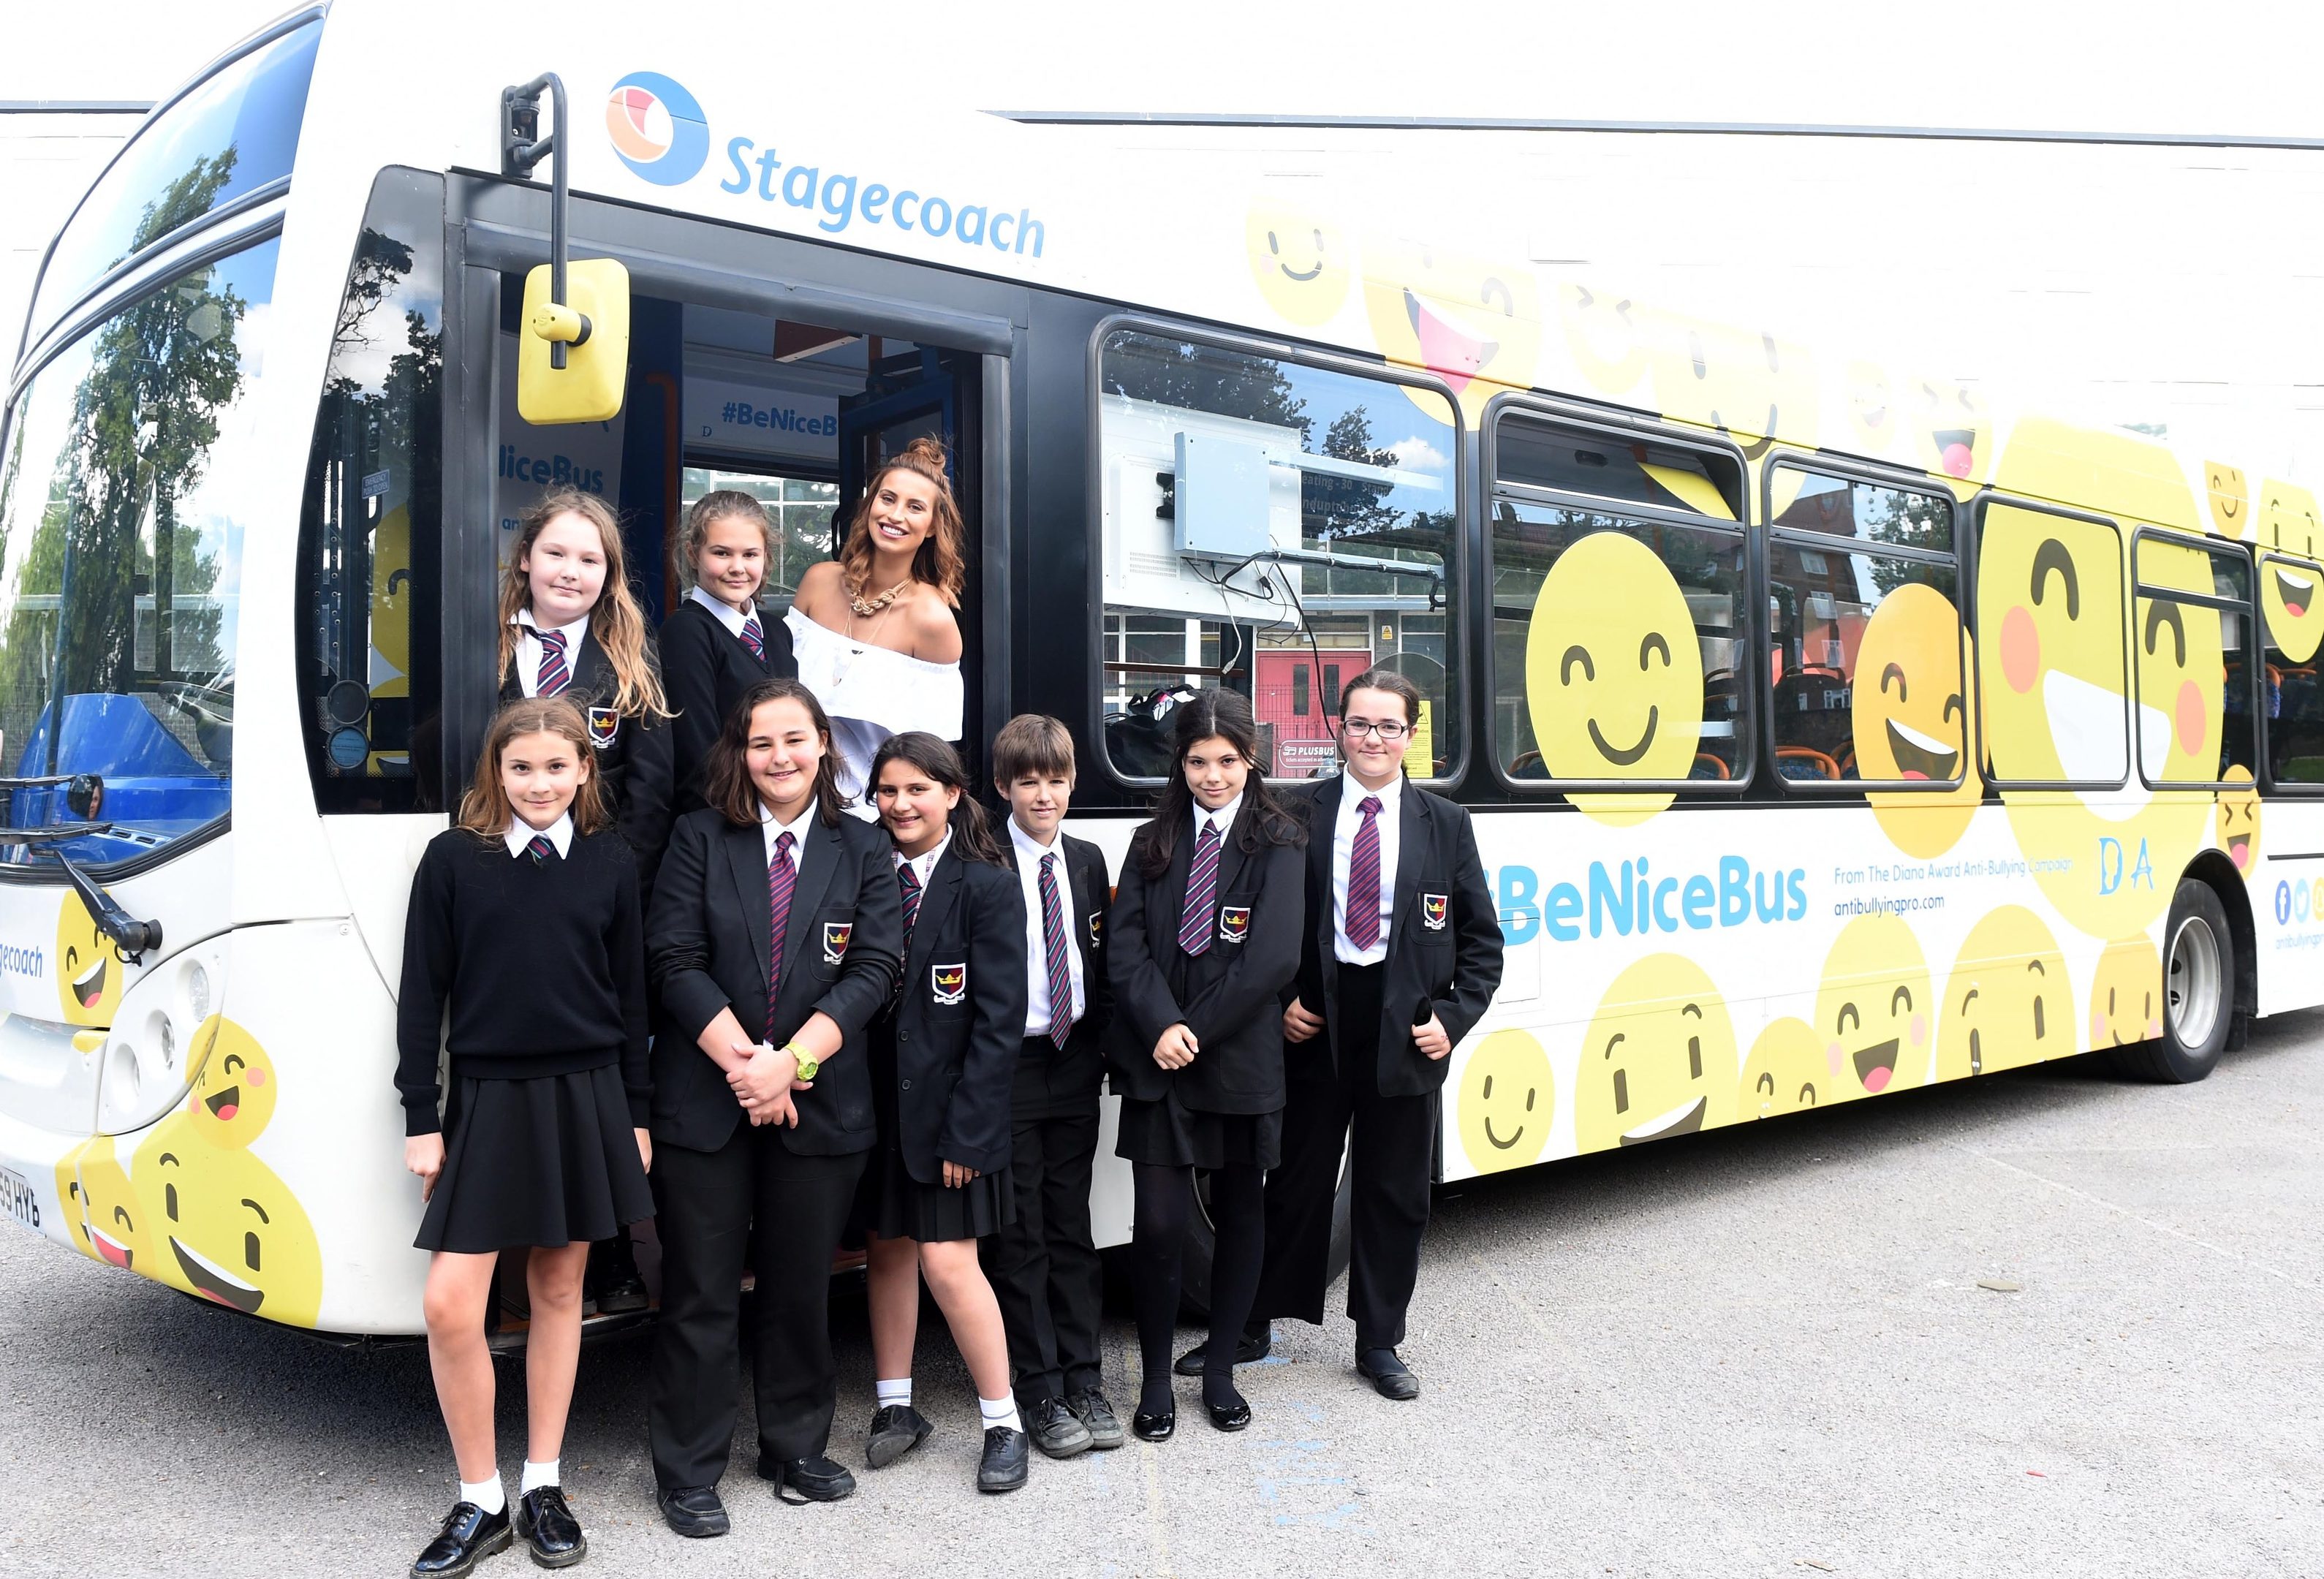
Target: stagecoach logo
column 950, row 982
column 657, row 128
column 1432, row 911
column 1235, row 923
column 604, row 723
column 835, row 940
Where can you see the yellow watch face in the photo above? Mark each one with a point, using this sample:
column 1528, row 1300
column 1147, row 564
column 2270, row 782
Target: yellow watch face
column 807, row 1067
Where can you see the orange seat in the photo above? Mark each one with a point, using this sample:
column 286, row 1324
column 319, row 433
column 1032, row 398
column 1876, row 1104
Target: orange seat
column 1819, row 764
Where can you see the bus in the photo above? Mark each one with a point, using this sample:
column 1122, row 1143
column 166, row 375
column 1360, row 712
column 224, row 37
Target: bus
column 1831, row 728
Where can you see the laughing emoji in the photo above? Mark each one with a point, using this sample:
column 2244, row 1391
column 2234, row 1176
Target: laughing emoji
column 2289, row 585
column 1874, row 1009
column 1475, row 324
column 234, row 1087
column 89, row 970
column 1658, row 1058
column 1911, row 718
column 2238, row 835
column 102, row 1207
column 225, row 1229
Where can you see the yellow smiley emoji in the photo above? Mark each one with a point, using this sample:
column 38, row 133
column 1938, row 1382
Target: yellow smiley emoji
column 1658, row 1058
column 233, row 1088
column 225, row 1228
column 1871, row 409
column 1750, row 387
column 2127, row 994
column 88, row 969
column 2289, row 577
column 2009, row 1000
column 102, row 1207
column 1299, row 262
column 2181, row 663
column 1614, row 674
column 2238, row 832
column 1873, row 1009
column 1507, row 1101
column 1954, row 427
column 1911, row 718
column 1602, row 334
column 1475, row 324
column 1785, row 1071
column 2230, row 498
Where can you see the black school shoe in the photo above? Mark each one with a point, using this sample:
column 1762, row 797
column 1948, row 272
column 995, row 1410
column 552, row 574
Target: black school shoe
column 1092, row 1408
column 815, row 1479
column 1250, row 1348
column 469, row 1535
column 1056, row 1430
column 550, row 1529
column 896, row 1430
column 693, row 1512
column 1007, row 1455
column 1389, row 1376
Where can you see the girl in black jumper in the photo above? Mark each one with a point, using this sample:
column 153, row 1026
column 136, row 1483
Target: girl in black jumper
column 943, row 1062
column 715, row 645
column 1207, row 929
column 524, row 920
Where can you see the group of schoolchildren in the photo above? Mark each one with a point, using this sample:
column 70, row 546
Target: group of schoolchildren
column 681, row 976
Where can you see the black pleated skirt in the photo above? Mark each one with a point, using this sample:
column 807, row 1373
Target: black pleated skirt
column 547, row 1161
column 1168, row 1131
column 893, row 1204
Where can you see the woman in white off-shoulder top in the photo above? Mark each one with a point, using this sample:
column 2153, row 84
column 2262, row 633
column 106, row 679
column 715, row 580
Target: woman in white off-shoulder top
column 873, row 630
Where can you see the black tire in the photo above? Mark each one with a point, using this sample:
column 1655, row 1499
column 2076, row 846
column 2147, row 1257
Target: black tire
column 2198, row 992
column 1195, row 1291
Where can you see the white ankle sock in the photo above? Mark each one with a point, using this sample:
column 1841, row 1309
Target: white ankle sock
column 1000, row 1411
column 897, row 1392
column 485, row 1494
column 537, row 1475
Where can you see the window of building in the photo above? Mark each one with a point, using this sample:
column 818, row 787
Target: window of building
column 1269, row 525
column 803, row 510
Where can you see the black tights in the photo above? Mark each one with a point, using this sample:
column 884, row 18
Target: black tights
column 1166, row 1207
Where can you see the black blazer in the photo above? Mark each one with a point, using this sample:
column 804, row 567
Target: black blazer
column 1229, row 996
column 1070, row 1074
column 706, row 670
column 706, row 948
column 955, row 1031
column 633, row 754
column 1448, row 966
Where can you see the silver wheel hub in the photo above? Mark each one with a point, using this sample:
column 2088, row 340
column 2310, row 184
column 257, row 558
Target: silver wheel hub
column 2192, row 981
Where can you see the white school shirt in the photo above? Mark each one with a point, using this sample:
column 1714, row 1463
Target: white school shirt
column 529, row 651
column 1222, row 819
column 924, row 866
column 520, row 835
column 733, row 618
column 1030, row 853
column 1343, row 849
column 797, row 827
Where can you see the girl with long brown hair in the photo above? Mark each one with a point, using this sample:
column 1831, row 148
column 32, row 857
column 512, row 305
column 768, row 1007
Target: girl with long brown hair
column 714, row 646
column 524, row 924
column 874, row 631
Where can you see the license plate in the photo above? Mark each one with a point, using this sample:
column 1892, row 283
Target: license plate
column 22, row 1204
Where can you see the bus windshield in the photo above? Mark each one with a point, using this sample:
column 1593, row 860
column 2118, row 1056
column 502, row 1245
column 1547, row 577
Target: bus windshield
column 129, row 458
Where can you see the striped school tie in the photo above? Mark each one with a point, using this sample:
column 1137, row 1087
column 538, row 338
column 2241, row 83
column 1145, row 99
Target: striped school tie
column 539, row 849
column 1053, row 946
column 781, row 877
column 907, row 885
column 754, row 639
column 1363, row 921
column 553, row 676
column 1201, row 893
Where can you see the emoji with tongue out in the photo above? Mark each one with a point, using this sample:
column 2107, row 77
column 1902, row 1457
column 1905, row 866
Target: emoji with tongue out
column 89, row 970
column 2239, row 834
column 2009, row 1000
column 1953, row 426
column 234, row 1087
column 102, row 1207
column 225, row 1228
column 1874, row 1010
column 2289, row 577
column 1910, row 714
column 1475, row 324
column 1658, row 1058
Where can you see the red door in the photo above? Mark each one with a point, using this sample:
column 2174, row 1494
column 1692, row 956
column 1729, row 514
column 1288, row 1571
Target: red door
column 1297, row 697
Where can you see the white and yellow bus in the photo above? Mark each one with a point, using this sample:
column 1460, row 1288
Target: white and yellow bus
column 1830, row 729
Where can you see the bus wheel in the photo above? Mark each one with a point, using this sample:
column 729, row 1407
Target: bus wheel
column 2199, row 978
column 1195, row 1291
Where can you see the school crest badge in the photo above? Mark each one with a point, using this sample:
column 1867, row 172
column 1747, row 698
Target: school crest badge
column 604, row 725
column 950, row 982
column 835, row 935
column 1235, row 923
column 1096, row 926
column 1434, row 908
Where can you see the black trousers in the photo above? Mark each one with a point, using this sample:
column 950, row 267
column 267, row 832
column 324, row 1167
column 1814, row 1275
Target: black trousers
column 752, row 1198
column 1045, row 1267
column 1392, row 1148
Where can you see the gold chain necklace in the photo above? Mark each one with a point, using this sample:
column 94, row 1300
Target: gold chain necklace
column 867, row 606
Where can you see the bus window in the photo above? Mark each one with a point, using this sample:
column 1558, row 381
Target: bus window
column 2290, row 700
column 1864, row 631
column 1619, row 608
column 370, row 538
column 2190, row 641
column 1272, row 527
column 2051, row 682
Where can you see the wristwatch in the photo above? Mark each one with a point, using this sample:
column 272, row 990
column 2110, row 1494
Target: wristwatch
column 808, row 1064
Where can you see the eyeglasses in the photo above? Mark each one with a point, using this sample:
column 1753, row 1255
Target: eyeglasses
column 1390, row 732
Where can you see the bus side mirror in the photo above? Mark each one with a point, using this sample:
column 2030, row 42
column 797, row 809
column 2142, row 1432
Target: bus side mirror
column 592, row 325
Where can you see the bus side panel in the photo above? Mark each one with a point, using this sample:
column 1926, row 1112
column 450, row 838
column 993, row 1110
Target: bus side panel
column 2284, row 878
